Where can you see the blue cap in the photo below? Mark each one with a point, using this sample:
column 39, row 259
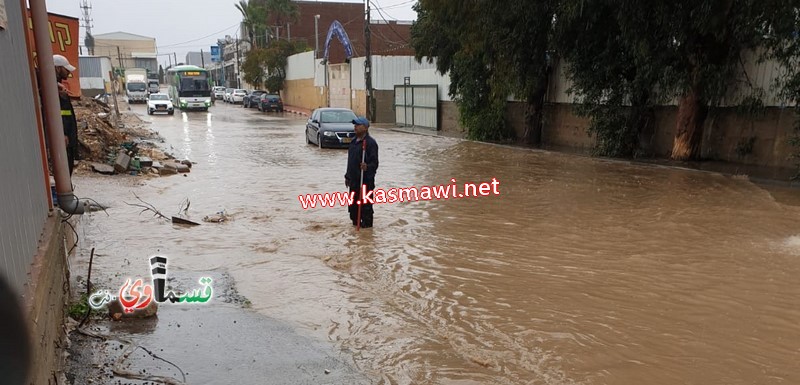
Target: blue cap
column 361, row 121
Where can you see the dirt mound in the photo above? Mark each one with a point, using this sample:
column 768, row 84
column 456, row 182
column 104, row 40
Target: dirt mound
column 96, row 133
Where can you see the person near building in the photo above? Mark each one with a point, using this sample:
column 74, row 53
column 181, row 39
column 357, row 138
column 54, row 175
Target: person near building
column 68, row 119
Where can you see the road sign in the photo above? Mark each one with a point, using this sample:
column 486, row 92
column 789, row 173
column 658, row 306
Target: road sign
column 215, row 53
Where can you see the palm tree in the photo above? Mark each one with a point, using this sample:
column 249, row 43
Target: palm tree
column 283, row 10
column 253, row 18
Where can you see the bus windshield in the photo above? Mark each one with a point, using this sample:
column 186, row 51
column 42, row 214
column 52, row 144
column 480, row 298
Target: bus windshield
column 194, row 83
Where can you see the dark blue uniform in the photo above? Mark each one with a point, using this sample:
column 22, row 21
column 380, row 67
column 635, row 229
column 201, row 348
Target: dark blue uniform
column 70, row 124
column 353, row 176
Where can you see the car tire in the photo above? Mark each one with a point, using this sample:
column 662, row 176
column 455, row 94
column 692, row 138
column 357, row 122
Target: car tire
column 149, row 112
column 305, row 133
column 319, row 142
column 171, row 112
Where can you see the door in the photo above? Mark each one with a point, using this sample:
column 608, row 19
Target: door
column 339, row 84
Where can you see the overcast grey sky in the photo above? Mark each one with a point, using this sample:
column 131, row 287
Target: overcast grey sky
column 181, row 26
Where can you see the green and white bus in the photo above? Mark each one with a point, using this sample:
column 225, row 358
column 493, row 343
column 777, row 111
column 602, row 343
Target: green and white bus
column 189, row 87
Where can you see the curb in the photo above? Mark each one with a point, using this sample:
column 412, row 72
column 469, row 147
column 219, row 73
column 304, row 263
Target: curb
column 296, row 112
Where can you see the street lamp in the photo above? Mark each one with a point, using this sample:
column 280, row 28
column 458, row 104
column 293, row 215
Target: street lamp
column 316, row 36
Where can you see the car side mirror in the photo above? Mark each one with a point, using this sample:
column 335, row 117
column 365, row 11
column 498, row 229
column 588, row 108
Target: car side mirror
column 315, row 121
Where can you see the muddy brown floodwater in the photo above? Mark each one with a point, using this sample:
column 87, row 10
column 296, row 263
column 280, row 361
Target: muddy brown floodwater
column 582, row 271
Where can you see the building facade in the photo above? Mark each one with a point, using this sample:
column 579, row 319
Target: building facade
column 388, row 38
column 127, row 50
column 200, row 59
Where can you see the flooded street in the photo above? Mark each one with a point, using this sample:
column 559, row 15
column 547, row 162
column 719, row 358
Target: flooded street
column 582, row 271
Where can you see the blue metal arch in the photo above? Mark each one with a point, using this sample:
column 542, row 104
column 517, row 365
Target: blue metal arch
column 338, row 30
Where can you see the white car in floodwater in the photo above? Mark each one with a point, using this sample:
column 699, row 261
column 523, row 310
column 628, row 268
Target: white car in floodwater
column 238, row 95
column 159, row 102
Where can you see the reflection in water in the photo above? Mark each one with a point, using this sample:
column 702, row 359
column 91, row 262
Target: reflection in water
column 582, row 271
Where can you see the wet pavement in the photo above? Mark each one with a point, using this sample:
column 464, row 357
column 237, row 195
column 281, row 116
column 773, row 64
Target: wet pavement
column 582, row 270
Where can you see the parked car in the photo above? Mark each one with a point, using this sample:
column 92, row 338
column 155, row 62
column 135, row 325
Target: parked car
column 238, row 95
column 227, row 96
column 270, row 102
column 219, row 92
column 252, row 99
column 331, row 127
column 159, row 102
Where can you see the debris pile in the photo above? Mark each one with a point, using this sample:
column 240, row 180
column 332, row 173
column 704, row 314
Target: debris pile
column 119, row 146
column 96, row 132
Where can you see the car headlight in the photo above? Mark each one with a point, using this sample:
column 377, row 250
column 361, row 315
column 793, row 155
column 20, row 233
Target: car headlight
column 329, row 133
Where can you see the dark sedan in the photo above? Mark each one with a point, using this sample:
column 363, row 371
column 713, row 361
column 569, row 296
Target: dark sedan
column 270, row 102
column 252, row 99
column 330, row 127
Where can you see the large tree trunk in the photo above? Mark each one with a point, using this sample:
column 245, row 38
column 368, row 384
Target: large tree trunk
column 534, row 110
column 533, row 122
column 692, row 113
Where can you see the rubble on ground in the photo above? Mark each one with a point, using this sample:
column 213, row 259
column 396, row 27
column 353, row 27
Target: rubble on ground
column 109, row 144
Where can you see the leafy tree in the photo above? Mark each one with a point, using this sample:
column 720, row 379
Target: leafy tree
column 267, row 66
column 614, row 80
column 782, row 44
column 491, row 50
column 253, row 67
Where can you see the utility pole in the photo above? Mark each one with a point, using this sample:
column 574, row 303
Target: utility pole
column 176, row 57
column 238, row 65
column 316, row 37
column 222, row 60
column 86, row 8
column 202, row 59
column 119, row 57
column 368, row 66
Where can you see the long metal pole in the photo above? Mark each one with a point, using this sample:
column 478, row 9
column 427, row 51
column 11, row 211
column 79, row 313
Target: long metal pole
column 361, row 183
column 52, row 108
column 41, row 132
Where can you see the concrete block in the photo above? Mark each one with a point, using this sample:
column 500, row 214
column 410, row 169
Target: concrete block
column 122, row 163
column 145, row 162
column 103, row 168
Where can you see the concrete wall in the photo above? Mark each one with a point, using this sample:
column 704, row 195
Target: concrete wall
column 303, row 93
column 449, row 123
column 46, row 300
column 360, row 102
column 300, row 66
column 725, row 133
column 32, row 255
column 384, row 106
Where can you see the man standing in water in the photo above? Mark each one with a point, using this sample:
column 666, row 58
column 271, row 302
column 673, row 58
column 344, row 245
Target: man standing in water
column 354, row 168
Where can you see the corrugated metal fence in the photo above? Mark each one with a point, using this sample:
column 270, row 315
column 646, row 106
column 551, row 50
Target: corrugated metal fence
column 417, row 105
column 23, row 207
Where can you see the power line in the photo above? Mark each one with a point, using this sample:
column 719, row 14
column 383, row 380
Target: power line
column 390, row 25
column 399, row 5
column 200, row 38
